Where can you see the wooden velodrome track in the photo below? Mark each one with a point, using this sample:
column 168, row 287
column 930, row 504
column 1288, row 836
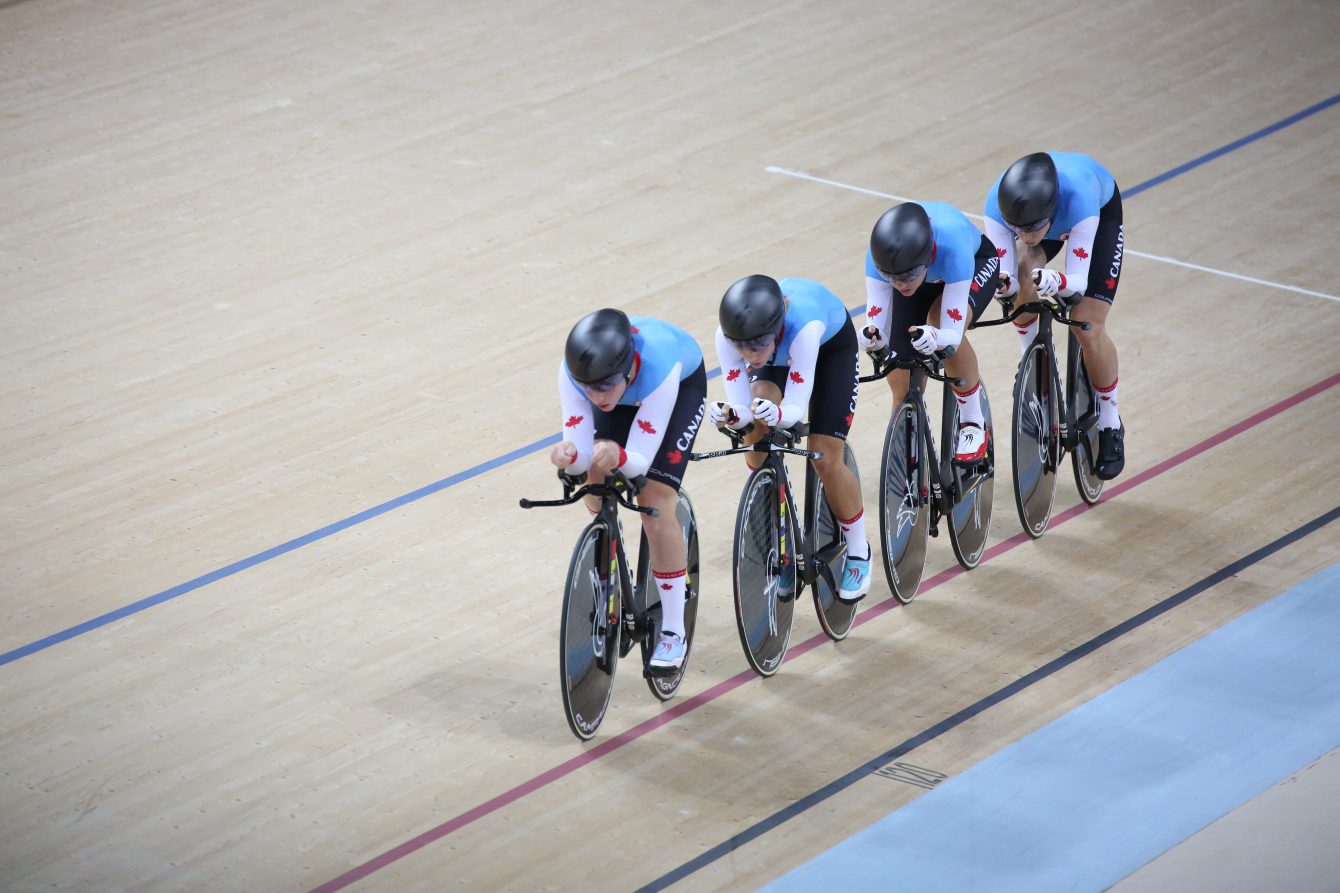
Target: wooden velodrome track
column 284, row 289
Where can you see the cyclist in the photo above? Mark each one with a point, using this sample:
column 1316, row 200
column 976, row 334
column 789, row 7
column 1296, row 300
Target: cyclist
column 943, row 269
column 633, row 391
column 787, row 348
column 1041, row 202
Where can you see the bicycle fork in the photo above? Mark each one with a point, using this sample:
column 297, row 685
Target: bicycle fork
column 606, row 611
column 788, row 528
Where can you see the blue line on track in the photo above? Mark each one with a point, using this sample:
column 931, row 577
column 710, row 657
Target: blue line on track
column 1233, row 146
column 284, row 548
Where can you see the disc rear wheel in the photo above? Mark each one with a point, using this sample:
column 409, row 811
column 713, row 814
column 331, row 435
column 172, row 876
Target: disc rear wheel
column 1085, row 454
column 974, row 493
column 835, row 616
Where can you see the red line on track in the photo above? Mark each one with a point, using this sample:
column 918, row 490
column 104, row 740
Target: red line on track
column 721, row 688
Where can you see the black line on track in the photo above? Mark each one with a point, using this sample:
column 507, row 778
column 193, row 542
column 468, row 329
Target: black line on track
column 1050, row 668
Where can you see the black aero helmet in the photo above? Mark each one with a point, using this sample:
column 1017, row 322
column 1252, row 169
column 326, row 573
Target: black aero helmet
column 599, row 346
column 902, row 240
column 752, row 308
column 1027, row 193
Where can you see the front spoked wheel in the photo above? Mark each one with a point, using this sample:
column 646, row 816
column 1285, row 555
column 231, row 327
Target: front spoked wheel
column 765, row 572
column 829, row 550
column 974, row 495
column 1035, row 432
column 1082, row 399
column 904, row 504
column 588, row 644
column 664, row 687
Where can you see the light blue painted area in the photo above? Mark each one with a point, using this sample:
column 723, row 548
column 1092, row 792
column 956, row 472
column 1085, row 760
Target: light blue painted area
column 1089, row 798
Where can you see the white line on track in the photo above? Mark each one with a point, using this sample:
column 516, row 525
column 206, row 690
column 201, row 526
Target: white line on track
column 772, row 169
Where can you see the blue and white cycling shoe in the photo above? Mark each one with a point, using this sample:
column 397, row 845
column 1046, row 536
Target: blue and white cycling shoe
column 855, row 576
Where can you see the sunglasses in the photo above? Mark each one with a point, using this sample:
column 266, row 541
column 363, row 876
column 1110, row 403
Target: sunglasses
column 906, row 276
column 1032, row 227
column 753, row 345
column 604, row 385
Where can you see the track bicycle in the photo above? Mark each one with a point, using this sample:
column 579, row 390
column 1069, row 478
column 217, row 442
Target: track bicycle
column 1049, row 422
column 777, row 554
column 604, row 613
column 919, row 487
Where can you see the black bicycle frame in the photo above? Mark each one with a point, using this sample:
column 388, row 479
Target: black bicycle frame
column 617, row 490
column 779, row 442
column 921, row 369
column 1047, row 311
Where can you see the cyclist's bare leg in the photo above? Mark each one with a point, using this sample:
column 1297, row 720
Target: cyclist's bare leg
column 898, row 381
column 1100, row 354
column 840, row 485
column 665, row 540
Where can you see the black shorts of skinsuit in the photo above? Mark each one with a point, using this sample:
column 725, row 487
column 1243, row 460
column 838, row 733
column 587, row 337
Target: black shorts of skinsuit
column 905, row 312
column 836, row 374
column 1109, row 246
column 680, row 432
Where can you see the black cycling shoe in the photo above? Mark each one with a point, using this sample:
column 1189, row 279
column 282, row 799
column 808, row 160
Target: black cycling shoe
column 1111, row 453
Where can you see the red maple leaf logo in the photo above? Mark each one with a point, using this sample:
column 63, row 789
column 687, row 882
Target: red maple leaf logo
column 1000, row 252
column 955, row 314
column 675, row 457
column 635, row 331
column 1080, row 253
column 849, row 418
column 796, row 377
column 665, row 586
column 974, row 288
column 1111, row 283
column 732, row 375
column 646, row 426
column 573, row 421
column 873, row 312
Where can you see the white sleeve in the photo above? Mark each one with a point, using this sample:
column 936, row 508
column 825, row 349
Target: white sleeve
column 648, row 429
column 1079, row 253
column 800, row 377
column 878, row 294
column 1003, row 239
column 733, row 372
column 579, row 428
column 954, row 313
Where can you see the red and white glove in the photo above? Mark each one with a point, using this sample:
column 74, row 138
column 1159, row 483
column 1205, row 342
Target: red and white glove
column 1006, row 287
column 766, row 411
column 1049, row 282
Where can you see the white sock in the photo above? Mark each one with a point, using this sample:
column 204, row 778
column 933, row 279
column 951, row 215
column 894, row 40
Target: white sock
column 970, row 405
column 1026, row 334
column 853, row 532
column 1108, row 417
column 671, row 587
